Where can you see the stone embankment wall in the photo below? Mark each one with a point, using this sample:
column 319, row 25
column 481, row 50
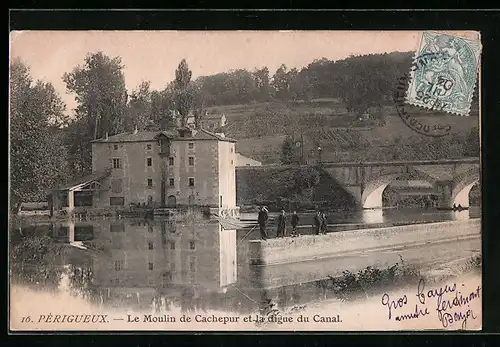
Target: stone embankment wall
column 309, row 247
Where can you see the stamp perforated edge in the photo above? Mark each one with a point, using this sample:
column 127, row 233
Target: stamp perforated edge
column 412, row 73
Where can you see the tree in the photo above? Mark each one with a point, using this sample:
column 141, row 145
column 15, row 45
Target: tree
column 288, row 152
column 472, row 146
column 261, row 77
column 280, row 82
column 38, row 156
column 183, row 91
column 139, row 108
column 162, row 107
column 99, row 86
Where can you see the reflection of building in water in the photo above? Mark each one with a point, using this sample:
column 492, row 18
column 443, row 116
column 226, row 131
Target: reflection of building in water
column 135, row 262
column 143, row 265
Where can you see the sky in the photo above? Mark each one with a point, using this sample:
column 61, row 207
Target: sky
column 154, row 55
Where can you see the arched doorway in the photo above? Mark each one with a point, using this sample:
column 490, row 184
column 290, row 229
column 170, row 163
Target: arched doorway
column 171, row 201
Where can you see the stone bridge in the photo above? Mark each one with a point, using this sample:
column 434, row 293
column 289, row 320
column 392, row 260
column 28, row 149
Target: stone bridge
column 452, row 179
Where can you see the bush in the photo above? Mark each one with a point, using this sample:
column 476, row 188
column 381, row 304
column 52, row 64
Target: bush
column 351, row 286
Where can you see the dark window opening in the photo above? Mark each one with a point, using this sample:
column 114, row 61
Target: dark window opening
column 191, row 182
column 84, row 232
column 117, row 227
column 171, row 182
column 191, row 161
column 117, row 201
column 115, row 147
column 117, row 164
column 119, row 265
column 191, row 145
column 171, row 161
column 192, row 245
column 148, row 146
column 150, row 161
column 150, row 266
column 150, row 245
column 150, row 182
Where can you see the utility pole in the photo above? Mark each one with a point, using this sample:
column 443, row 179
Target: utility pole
column 319, row 154
column 301, row 148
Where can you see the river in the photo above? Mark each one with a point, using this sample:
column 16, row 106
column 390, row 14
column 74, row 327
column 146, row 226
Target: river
column 161, row 266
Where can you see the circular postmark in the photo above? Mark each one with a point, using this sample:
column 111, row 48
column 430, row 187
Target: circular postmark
column 417, row 123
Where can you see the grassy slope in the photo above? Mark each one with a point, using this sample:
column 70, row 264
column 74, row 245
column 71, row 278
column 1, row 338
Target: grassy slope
column 265, row 145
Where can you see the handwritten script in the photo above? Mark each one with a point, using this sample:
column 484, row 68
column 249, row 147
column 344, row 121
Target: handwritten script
column 447, row 303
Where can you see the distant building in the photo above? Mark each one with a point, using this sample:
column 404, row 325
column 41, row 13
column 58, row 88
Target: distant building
column 241, row 160
column 209, row 121
column 213, row 121
column 172, row 169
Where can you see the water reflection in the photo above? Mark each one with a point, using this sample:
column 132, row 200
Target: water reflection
column 161, row 265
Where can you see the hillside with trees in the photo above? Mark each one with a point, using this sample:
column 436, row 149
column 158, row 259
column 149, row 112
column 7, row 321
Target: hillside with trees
column 345, row 107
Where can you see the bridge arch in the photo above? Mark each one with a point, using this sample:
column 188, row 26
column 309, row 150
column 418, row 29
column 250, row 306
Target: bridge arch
column 462, row 186
column 371, row 196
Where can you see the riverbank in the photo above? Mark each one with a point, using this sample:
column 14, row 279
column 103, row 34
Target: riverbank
column 401, row 308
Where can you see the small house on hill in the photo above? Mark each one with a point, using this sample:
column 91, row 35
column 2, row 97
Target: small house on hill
column 209, row 121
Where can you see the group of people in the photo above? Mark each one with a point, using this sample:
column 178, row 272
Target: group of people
column 320, row 223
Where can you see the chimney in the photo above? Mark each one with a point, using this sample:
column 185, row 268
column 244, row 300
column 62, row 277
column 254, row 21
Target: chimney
column 106, row 136
column 135, row 130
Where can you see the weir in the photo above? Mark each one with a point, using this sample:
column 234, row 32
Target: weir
column 361, row 243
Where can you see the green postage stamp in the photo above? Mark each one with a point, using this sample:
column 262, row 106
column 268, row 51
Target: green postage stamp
column 444, row 74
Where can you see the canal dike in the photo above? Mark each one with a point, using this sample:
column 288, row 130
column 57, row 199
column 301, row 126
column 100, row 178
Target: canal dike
column 275, row 262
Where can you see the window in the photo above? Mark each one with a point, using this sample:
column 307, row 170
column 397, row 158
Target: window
column 150, row 266
column 220, row 202
column 150, row 182
column 191, row 161
column 231, row 149
column 119, row 265
column 117, row 228
column 192, row 245
column 171, row 182
column 231, row 162
column 172, row 245
column 149, row 161
column 117, row 201
column 150, row 245
column 115, row 147
column 191, row 145
column 117, row 163
column 191, row 181
column 171, row 161
column 148, row 146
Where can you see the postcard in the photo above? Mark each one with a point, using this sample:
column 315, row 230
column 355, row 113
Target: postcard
column 245, row 181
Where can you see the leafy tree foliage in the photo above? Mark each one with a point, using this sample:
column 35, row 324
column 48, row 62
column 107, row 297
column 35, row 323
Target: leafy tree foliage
column 289, row 152
column 99, row 87
column 37, row 152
